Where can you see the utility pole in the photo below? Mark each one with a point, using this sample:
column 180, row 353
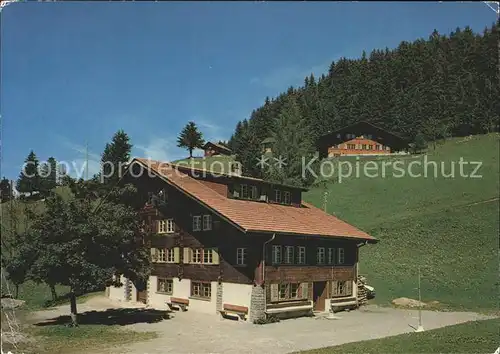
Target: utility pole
column 420, row 328
column 86, row 161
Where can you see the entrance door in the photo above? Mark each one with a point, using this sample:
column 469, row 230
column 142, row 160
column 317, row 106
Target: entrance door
column 319, row 295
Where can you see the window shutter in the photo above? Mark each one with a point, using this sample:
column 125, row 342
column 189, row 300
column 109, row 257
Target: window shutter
column 348, row 287
column 215, row 256
column 305, row 290
column 154, row 254
column 186, row 257
column 334, row 288
column 176, row 255
column 274, row 292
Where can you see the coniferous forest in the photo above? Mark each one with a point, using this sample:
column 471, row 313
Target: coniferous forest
column 447, row 85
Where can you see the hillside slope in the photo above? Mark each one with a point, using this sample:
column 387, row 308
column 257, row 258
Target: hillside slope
column 448, row 226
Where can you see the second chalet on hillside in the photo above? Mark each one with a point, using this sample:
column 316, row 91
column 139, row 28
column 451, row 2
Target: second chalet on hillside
column 230, row 244
column 359, row 139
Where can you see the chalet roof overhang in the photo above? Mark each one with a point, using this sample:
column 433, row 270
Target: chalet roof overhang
column 363, row 127
column 358, row 235
column 359, row 240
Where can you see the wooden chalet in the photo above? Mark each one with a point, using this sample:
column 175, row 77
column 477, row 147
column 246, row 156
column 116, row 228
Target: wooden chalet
column 362, row 138
column 212, row 149
column 237, row 245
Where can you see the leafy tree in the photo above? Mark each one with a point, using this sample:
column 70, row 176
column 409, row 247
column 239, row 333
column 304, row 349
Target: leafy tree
column 71, row 243
column 114, row 158
column 190, row 138
column 5, row 190
column 29, row 178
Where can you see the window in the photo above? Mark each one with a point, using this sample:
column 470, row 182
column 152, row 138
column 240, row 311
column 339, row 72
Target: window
column 196, row 223
column 277, row 195
column 163, row 255
column 339, row 136
column 351, row 146
column 341, row 288
column 286, row 198
column 341, row 256
column 165, row 286
column 331, row 256
column 253, row 192
column 244, row 191
column 207, row 222
column 276, row 254
column 320, row 255
column 301, row 257
column 370, row 136
column 364, row 147
column 241, row 256
column 289, row 254
column 207, row 256
column 166, row 226
column 199, row 289
column 197, row 256
column 289, row 291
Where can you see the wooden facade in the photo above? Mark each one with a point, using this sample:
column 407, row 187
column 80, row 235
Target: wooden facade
column 190, row 240
column 361, row 138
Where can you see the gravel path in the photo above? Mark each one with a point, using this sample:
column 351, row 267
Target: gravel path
column 191, row 332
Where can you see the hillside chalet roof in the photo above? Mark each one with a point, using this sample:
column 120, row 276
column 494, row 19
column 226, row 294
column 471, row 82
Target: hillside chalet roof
column 218, row 146
column 251, row 216
column 366, row 127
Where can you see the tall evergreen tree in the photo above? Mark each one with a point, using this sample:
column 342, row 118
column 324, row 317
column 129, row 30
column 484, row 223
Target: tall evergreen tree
column 190, row 138
column 293, row 148
column 114, row 158
column 29, row 178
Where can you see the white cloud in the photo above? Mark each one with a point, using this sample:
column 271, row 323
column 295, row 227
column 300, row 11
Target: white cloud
column 162, row 149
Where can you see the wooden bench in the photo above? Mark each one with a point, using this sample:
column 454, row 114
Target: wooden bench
column 240, row 311
column 178, row 302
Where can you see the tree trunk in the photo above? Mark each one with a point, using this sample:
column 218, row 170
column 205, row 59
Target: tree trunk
column 74, row 314
column 17, row 290
column 190, row 153
column 53, row 292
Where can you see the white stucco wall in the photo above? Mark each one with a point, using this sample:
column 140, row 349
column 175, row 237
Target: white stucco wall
column 206, row 306
column 237, row 294
column 117, row 293
column 181, row 289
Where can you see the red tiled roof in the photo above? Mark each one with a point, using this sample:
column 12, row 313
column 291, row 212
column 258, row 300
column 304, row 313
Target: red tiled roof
column 253, row 216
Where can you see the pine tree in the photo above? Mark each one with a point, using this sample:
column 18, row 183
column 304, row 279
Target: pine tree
column 293, row 146
column 190, row 138
column 114, row 158
column 29, row 178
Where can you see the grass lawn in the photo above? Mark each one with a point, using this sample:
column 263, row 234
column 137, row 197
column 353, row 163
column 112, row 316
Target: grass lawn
column 430, row 222
column 471, row 337
column 84, row 339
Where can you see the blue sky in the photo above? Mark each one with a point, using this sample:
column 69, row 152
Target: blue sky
column 77, row 72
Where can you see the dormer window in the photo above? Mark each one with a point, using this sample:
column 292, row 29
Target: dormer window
column 277, row 196
column 253, row 192
column 286, row 197
column 244, row 191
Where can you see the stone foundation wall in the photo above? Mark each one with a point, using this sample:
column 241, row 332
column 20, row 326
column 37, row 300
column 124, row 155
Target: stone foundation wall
column 218, row 303
column 257, row 303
